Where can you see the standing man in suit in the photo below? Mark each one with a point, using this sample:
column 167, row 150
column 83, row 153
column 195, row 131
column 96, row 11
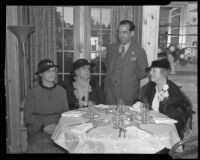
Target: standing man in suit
column 126, row 62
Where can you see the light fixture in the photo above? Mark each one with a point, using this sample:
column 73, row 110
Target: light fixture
column 22, row 32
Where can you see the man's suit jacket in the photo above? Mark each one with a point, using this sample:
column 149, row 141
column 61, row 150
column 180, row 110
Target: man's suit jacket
column 177, row 106
column 124, row 74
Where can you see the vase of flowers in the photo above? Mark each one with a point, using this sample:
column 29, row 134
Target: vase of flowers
column 176, row 55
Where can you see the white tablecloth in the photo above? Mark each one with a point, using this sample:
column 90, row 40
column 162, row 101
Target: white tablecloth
column 104, row 139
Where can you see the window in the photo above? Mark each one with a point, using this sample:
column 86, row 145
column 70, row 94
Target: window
column 178, row 26
column 65, row 38
column 175, row 28
column 100, row 32
column 72, row 29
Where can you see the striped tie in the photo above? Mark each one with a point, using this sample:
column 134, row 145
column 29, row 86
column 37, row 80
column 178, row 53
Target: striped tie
column 122, row 50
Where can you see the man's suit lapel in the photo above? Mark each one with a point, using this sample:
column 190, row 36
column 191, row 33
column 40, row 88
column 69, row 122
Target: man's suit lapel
column 129, row 51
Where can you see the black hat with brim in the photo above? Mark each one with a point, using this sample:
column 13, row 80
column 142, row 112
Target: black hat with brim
column 163, row 63
column 44, row 65
column 80, row 63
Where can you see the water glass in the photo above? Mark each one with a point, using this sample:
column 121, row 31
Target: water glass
column 120, row 105
column 91, row 109
column 145, row 109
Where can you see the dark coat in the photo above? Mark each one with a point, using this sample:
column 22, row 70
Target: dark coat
column 124, row 74
column 95, row 95
column 177, row 106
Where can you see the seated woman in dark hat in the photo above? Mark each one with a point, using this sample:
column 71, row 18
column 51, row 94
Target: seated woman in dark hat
column 80, row 88
column 165, row 97
column 44, row 103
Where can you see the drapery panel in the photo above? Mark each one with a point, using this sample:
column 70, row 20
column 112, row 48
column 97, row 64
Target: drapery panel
column 132, row 13
column 120, row 13
column 42, row 42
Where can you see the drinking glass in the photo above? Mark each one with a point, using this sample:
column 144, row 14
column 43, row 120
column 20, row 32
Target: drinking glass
column 91, row 109
column 145, row 110
column 120, row 105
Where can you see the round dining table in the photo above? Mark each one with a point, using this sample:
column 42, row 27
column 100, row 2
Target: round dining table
column 76, row 133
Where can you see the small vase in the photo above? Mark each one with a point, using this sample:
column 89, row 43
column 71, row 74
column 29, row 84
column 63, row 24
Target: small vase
column 173, row 66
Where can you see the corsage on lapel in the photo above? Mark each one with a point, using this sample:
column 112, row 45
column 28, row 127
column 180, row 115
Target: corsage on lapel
column 133, row 57
column 163, row 95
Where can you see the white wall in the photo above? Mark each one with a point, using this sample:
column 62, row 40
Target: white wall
column 150, row 28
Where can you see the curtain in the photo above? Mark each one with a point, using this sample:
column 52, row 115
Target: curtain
column 120, row 13
column 42, row 42
column 132, row 13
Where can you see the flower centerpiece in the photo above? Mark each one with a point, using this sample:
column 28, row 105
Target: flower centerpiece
column 181, row 55
column 176, row 54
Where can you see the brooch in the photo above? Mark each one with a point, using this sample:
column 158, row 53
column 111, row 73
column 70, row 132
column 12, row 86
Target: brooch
column 133, row 58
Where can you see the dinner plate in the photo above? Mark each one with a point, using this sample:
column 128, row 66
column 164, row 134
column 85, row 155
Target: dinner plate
column 86, row 115
column 101, row 106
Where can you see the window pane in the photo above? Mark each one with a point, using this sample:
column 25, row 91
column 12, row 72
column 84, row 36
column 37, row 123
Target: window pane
column 95, row 39
column 68, row 58
column 59, row 16
column 106, row 18
column 175, row 31
column 175, row 40
column 58, row 39
column 68, row 39
column 95, row 18
column 175, row 21
column 97, row 65
column 176, row 11
column 106, row 38
column 59, row 61
column 68, row 17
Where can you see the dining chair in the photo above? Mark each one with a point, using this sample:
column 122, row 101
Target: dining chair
column 190, row 149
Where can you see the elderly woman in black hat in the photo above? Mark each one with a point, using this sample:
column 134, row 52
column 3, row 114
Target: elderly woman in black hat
column 45, row 102
column 165, row 97
column 80, row 88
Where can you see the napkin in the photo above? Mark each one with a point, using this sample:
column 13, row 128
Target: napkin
column 82, row 128
column 72, row 114
column 137, row 107
column 164, row 120
column 49, row 128
column 139, row 132
column 101, row 106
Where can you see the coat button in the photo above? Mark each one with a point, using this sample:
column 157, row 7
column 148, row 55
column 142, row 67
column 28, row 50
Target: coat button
column 116, row 81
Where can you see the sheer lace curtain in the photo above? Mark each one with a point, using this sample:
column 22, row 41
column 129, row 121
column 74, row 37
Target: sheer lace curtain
column 42, row 42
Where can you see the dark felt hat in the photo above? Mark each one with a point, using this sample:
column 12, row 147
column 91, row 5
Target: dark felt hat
column 80, row 63
column 163, row 63
column 44, row 65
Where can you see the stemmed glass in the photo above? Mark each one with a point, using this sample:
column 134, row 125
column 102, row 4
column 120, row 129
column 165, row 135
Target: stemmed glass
column 91, row 110
column 145, row 110
column 120, row 105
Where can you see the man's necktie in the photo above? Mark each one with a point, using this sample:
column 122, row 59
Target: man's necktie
column 122, row 50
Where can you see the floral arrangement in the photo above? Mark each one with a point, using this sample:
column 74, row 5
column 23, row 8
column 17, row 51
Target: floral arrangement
column 183, row 55
column 163, row 95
